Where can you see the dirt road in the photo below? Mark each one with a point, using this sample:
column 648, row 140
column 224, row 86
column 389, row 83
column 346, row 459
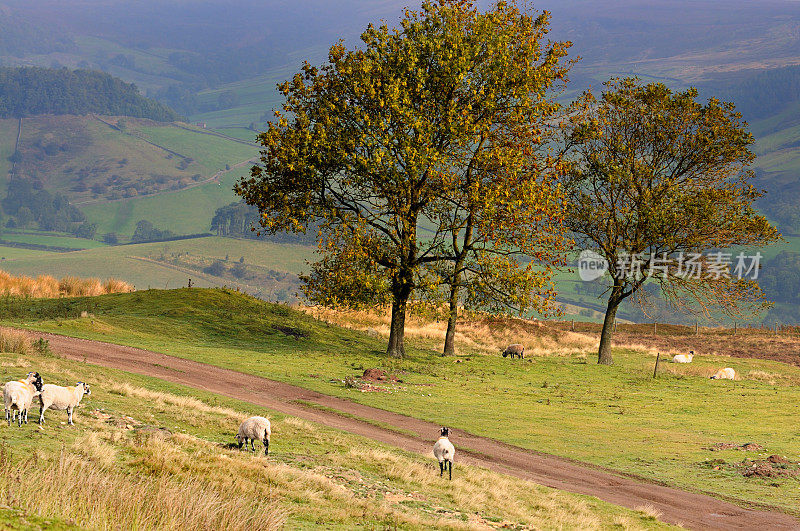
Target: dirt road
column 692, row 510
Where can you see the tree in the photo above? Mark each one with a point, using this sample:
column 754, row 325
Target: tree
column 374, row 142
column 659, row 176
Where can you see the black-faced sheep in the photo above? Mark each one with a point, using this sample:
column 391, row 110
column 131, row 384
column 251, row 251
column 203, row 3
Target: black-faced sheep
column 18, row 396
column 444, row 451
column 61, row 398
column 514, row 350
column 254, row 429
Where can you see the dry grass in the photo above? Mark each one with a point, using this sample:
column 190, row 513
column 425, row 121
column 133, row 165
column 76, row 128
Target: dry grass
column 15, row 341
column 478, row 333
column 72, row 487
column 45, row 286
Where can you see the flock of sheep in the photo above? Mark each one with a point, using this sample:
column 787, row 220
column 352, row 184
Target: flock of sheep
column 18, row 398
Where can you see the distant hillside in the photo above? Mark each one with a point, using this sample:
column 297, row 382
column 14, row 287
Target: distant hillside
column 30, row 91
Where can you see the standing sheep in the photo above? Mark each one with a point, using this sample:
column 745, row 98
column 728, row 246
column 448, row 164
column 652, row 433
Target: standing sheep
column 61, row 398
column 684, row 358
column 18, row 395
column 254, row 429
column 514, row 350
column 444, row 451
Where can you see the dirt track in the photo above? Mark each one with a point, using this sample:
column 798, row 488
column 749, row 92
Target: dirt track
column 692, row 510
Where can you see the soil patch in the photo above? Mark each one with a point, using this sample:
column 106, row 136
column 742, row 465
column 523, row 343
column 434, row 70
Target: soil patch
column 746, row 447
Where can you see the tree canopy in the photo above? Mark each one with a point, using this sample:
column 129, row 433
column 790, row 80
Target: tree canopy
column 384, row 139
column 659, row 179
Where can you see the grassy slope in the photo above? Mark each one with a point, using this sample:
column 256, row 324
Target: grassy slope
column 559, row 404
column 117, row 261
column 314, row 475
column 183, row 212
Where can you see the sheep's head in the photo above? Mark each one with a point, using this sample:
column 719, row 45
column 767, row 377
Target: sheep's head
column 86, row 390
column 445, row 432
column 36, row 380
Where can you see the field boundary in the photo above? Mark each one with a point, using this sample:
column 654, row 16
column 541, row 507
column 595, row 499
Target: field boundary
column 677, row 506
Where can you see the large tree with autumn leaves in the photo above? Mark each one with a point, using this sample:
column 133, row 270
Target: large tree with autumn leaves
column 661, row 182
column 421, row 137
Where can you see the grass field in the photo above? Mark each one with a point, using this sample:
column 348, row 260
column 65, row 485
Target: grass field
column 557, row 401
column 121, row 262
column 14, row 253
column 147, row 453
column 183, row 212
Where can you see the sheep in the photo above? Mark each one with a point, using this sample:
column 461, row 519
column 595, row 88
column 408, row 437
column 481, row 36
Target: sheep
column 18, row 395
column 254, row 429
column 684, row 358
column 61, row 398
column 514, row 350
column 444, row 451
column 724, row 374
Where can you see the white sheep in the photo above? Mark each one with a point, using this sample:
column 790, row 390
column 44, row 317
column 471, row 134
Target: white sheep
column 684, row 358
column 443, row 450
column 724, row 374
column 514, row 350
column 61, row 398
column 18, row 396
column 254, row 429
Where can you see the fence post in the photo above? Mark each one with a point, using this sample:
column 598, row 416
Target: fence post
column 655, row 371
column 734, row 328
column 573, row 325
column 696, row 329
column 655, row 328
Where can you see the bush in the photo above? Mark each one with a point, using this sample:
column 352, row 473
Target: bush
column 217, row 269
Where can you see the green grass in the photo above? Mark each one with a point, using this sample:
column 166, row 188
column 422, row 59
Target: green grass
column 314, row 476
column 561, row 404
column 213, row 152
column 120, row 262
column 15, row 253
column 183, row 211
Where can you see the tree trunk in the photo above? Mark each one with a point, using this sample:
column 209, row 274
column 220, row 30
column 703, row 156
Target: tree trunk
column 401, row 292
column 450, row 336
column 397, row 330
column 604, row 354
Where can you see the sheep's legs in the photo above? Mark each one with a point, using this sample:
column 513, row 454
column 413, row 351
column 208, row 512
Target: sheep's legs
column 41, row 414
column 441, row 468
column 252, row 445
column 69, row 417
column 450, row 466
column 266, row 446
column 8, row 416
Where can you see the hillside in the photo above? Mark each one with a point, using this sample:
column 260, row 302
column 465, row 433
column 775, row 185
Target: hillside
column 148, row 453
column 553, row 401
column 261, row 268
column 31, row 91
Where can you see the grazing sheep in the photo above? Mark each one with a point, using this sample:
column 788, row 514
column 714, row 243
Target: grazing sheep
column 254, row 429
column 684, row 358
column 61, row 398
column 18, row 396
column 514, row 350
column 444, row 451
column 725, row 374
